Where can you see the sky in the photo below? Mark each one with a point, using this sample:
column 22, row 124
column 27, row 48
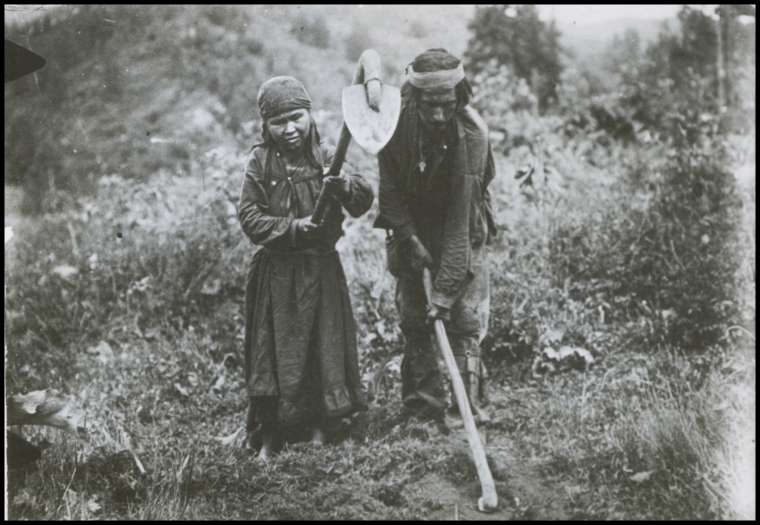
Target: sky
column 591, row 13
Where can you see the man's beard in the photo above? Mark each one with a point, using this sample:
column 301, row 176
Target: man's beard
column 436, row 132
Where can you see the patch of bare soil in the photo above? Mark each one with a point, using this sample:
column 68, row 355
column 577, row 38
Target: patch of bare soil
column 524, row 494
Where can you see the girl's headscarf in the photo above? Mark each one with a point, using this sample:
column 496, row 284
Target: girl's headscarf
column 282, row 94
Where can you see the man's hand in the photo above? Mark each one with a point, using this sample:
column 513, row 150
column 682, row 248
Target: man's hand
column 337, row 186
column 435, row 312
column 420, row 256
column 374, row 88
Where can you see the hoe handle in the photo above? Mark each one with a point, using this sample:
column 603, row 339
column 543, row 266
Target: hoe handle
column 488, row 502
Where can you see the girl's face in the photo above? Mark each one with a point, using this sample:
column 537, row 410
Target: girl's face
column 289, row 129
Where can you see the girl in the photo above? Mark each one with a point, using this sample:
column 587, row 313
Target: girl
column 300, row 339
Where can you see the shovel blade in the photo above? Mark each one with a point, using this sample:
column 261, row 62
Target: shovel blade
column 369, row 128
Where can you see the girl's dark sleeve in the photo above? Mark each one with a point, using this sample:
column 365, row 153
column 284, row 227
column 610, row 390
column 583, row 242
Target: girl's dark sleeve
column 253, row 209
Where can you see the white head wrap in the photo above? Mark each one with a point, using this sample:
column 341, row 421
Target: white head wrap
column 443, row 79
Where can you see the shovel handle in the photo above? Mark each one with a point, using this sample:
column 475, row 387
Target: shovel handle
column 369, row 67
column 488, row 502
column 324, row 200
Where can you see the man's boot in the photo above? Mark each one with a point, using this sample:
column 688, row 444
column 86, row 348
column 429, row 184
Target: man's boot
column 421, row 382
column 470, row 368
column 476, row 388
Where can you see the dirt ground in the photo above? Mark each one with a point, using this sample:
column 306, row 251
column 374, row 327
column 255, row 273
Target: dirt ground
column 523, row 492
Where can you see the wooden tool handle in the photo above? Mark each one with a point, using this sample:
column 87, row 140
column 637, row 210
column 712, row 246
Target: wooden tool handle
column 369, row 66
column 324, row 200
column 489, row 501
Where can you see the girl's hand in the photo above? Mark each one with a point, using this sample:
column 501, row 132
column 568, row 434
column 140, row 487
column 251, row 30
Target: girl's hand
column 304, row 225
column 338, row 186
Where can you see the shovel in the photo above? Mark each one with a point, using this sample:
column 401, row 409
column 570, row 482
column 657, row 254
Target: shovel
column 488, row 501
column 370, row 115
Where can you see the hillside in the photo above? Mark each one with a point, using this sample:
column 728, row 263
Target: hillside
column 186, row 79
column 130, row 91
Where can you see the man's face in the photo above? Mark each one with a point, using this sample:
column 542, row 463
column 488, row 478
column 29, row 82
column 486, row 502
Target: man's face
column 436, row 108
column 289, row 129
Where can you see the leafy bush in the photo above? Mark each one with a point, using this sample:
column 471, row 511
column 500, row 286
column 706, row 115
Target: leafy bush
column 140, row 257
column 656, row 247
column 510, row 108
column 667, row 247
column 586, row 112
column 515, row 36
column 694, row 216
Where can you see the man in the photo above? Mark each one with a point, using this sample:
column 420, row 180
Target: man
column 301, row 363
column 436, row 210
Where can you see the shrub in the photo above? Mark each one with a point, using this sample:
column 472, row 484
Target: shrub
column 515, row 36
column 694, row 218
column 510, row 108
column 666, row 249
column 142, row 256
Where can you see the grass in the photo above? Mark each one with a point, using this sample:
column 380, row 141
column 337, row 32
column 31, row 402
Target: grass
column 577, row 438
column 642, row 435
column 636, row 438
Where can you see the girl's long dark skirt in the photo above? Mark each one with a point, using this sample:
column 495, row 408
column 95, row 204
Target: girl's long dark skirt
column 301, row 362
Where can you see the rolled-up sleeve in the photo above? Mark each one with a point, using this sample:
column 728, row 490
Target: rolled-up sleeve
column 454, row 270
column 253, row 209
